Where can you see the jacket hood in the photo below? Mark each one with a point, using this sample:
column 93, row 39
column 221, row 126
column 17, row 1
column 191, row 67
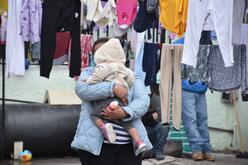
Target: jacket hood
column 111, row 51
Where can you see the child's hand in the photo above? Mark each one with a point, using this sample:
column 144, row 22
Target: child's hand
column 114, row 114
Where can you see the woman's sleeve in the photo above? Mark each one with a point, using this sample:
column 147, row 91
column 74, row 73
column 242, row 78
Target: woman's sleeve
column 92, row 92
column 139, row 104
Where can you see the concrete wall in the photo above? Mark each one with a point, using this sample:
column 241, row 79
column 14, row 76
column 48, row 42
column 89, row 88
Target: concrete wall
column 32, row 87
column 222, row 122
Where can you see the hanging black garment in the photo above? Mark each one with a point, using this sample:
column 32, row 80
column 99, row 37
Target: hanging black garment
column 60, row 15
column 150, row 63
column 143, row 19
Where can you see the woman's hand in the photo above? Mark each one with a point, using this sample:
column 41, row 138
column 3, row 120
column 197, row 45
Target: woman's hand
column 114, row 114
column 121, row 92
column 155, row 116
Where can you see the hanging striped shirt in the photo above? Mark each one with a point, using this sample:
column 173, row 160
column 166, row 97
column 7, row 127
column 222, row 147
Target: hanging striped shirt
column 122, row 136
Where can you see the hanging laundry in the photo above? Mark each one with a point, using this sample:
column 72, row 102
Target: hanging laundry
column 15, row 63
column 35, row 51
column 3, row 28
column 62, row 48
column 225, row 78
column 107, row 15
column 238, row 15
column 94, row 8
column 31, row 16
column 170, row 68
column 152, row 6
column 3, row 6
column 209, row 17
column 151, row 63
column 244, row 66
column 200, row 73
column 103, row 16
column 126, row 12
column 86, row 49
column 173, row 15
column 244, row 34
column 144, row 20
column 83, row 21
column 60, row 15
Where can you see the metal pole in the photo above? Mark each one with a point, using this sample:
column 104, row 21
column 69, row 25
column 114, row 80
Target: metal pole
column 3, row 106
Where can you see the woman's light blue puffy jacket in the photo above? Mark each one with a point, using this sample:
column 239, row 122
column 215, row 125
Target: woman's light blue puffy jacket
column 88, row 137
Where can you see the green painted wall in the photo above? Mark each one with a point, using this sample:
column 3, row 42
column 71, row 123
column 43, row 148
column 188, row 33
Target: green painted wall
column 222, row 122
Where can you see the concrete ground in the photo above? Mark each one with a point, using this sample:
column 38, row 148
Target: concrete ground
column 221, row 159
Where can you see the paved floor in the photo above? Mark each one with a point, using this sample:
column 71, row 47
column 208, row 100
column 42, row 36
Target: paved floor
column 220, row 160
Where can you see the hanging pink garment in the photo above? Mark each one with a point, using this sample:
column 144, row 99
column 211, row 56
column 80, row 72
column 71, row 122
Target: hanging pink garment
column 126, row 11
column 86, row 48
column 3, row 28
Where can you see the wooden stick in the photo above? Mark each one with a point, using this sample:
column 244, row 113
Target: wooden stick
column 241, row 141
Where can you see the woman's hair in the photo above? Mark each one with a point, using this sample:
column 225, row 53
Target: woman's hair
column 99, row 41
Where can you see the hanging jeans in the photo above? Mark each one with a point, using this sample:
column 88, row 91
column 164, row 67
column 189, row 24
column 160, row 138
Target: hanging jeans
column 209, row 14
column 195, row 121
column 60, row 14
column 170, row 69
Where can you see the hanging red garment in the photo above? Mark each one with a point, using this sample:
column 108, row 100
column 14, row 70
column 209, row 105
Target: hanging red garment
column 86, row 48
column 62, row 47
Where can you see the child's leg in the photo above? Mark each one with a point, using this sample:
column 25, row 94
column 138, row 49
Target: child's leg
column 99, row 122
column 140, row 146
column 134, row 134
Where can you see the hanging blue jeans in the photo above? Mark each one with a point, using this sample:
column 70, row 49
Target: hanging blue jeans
column 195, row 121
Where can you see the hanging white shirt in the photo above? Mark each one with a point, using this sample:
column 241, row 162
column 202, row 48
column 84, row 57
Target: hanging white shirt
column 15, row 54
column 209, row 15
